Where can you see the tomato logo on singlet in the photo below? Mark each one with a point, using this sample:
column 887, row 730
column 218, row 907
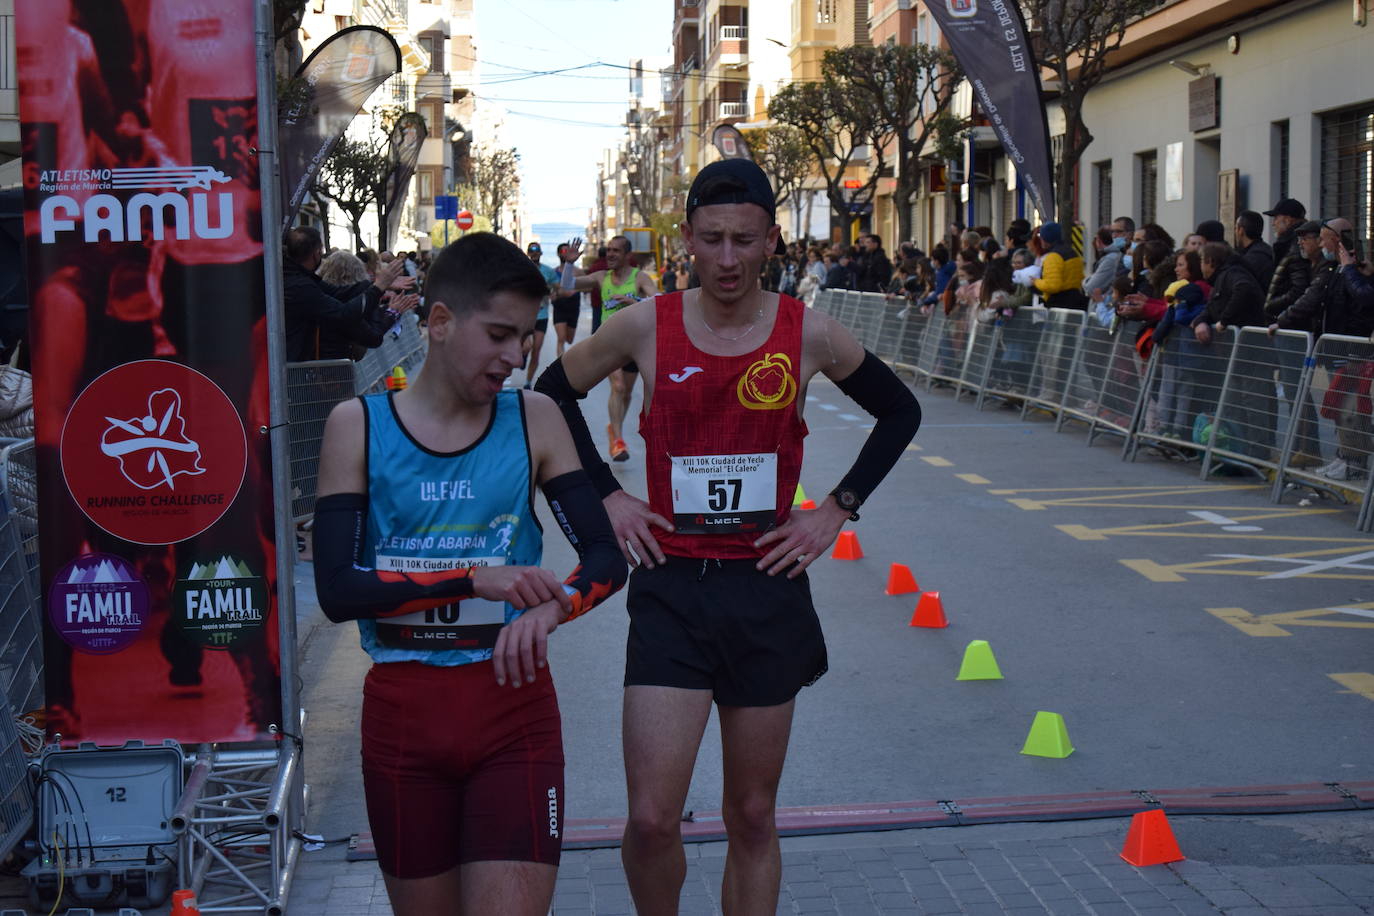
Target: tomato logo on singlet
column 768, row 384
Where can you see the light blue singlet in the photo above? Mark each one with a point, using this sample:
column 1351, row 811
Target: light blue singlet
column 430, row 511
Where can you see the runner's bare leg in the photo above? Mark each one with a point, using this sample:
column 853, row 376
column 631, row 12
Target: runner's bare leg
column 662, row 733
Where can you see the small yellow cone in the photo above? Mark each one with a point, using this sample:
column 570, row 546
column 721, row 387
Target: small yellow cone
column 396, row 381
column 979, row 663
column 1049, row 737
column 800, row 496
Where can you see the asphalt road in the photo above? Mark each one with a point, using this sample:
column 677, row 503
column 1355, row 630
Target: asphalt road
column 1180, row 653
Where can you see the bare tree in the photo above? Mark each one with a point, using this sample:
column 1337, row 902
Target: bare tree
column 783, row 154
column 644, row 175
column 842, row 128
column 1074, row 39
column 494, row 176
column 910, row 86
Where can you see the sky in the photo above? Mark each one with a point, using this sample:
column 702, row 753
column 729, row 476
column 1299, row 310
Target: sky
column 561, row 122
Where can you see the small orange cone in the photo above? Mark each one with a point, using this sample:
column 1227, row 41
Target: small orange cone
column 396, row 381
column 900, row 581
column 184, row 904
column 807, row 504
column 929, row 612
column 1150, row 841
column 847, row 547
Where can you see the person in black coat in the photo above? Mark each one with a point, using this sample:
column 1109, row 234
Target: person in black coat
column 1252, row 247
column 1237, row 300
column 312, row 305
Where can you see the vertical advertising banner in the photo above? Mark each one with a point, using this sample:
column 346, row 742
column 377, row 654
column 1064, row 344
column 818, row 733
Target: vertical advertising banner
column 403, row 148
column 143, row 231
column 989, row 39
column 326, row 95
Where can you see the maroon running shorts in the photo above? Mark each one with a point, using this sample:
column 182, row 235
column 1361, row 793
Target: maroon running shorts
column 457, row 769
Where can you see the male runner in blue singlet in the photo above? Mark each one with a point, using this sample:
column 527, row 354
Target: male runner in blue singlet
column 425, row 534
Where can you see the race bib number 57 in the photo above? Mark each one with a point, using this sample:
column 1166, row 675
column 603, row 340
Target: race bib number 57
column 723, row 494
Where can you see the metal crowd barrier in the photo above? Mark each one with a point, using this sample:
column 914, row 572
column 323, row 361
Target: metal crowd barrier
column 16, row 798
column 404, row 345
column 1284, row 407
column 1054, row 360
column 21, row 632
column 312, row 390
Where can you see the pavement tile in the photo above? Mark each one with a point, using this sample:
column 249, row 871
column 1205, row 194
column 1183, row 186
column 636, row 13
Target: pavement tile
column 803, row 889
column 1108, row 908
column 941, row 852
column 894, row 884
column 867, row 853
column 815, row 905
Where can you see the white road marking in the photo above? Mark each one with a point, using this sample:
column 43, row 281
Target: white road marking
column 1303, row 566
column 828, row 407
column 1226, row 523
column 850, row 417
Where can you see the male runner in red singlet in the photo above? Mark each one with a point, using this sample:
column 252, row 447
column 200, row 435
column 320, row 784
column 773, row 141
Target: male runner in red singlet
column 725, row 370
column 425, row 534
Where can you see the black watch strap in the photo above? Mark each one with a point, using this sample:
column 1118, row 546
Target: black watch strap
column 848, row 500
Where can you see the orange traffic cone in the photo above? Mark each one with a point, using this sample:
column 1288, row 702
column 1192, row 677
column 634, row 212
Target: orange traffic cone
column 900, row 581
column 807, row 504
column 929, row 612
column 847, row 547
column 1150, row 841
column 184, row 904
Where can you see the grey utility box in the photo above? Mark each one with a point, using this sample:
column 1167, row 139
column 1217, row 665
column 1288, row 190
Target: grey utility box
column 104, row 826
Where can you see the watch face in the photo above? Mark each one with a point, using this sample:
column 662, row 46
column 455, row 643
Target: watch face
column 847, row 499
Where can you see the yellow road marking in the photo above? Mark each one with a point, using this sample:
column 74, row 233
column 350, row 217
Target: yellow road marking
column 973, row 478
column 1029, row 505
column 1246, row 622
column 1351, row 617
column 1356, row 682
column 938, row 462
column 1153, row 571
column 1253, row 566
column 1081, row 532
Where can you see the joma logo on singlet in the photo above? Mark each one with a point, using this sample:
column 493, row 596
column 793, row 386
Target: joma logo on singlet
column 189, row 216
column 553, row 812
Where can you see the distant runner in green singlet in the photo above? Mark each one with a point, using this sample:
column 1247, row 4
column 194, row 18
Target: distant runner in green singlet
column 621, row 284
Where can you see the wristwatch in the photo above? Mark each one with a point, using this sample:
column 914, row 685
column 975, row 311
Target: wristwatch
column 848, row 500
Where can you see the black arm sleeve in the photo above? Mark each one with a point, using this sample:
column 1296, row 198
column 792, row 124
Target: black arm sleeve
column 347, row 590
column 579, row 511
column 876, row 388
column 553, row 382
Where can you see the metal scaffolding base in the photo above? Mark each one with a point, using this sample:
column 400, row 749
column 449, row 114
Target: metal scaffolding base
column 238, row 828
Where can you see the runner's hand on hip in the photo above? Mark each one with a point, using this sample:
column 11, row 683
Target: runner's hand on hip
column 630, row 519
column 799, row 541
column 521, row 586
column 522, row 647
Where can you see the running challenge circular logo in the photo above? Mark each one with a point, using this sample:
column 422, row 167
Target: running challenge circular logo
column 768, row 384
column 153, row 452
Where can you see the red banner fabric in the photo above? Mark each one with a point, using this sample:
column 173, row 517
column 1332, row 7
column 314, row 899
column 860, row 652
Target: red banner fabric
column 143, row 233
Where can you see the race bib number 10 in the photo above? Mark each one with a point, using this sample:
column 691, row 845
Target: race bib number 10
column 722, row 494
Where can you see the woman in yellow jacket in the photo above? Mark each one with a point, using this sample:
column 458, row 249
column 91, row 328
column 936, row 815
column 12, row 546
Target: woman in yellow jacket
column 1061, row 271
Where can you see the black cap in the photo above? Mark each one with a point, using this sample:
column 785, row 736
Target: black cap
column 1212, row 230
column 1288, row 207
column 1311, row 227
column 731, row 181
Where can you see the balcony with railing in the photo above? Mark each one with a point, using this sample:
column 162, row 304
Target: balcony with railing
column 733, row 110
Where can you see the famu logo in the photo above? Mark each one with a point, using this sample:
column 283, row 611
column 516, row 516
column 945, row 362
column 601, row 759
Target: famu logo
column 220, row 603
column 98, row 603
column 193, row 215
column 768, row 384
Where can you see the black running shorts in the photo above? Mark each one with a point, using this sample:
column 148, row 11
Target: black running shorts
column 721, row 625
column 565, row 310
column 458, row 770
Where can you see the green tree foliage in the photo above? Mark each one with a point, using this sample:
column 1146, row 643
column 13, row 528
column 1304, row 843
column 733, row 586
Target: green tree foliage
column 786, row 158
column 494, row 176
column 842, row 128
column 353, row 178
column 909, row 88
column 1074, row 38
